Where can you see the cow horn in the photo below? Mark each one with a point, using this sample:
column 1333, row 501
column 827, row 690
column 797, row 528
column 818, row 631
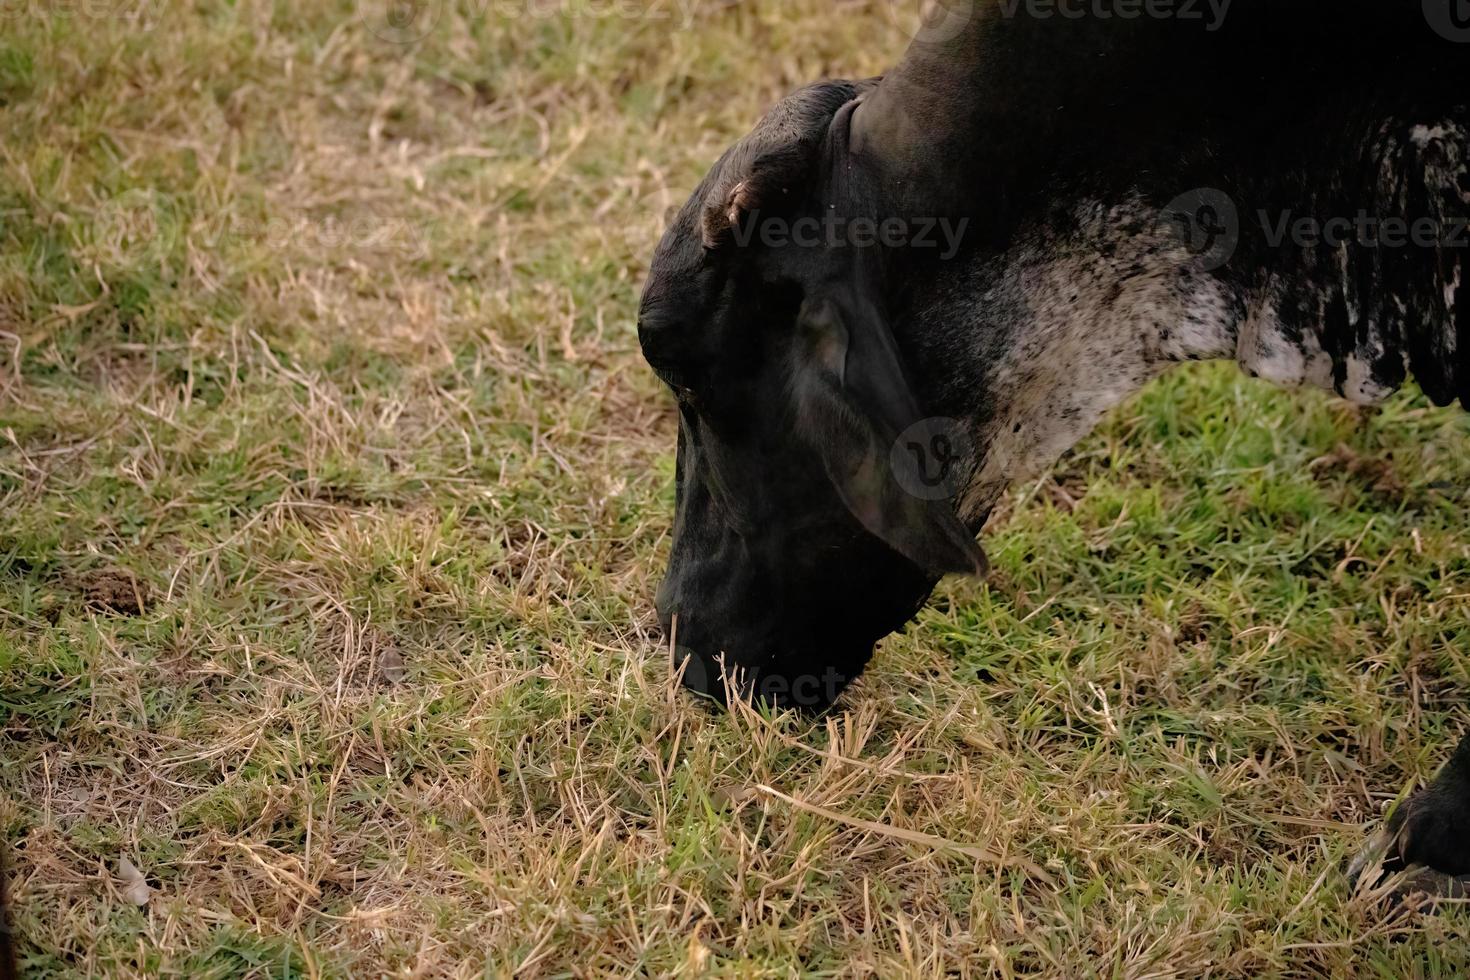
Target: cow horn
column 917, row 128
column 770, row 166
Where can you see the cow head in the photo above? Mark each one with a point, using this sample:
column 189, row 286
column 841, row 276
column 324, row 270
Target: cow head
column 796, row 545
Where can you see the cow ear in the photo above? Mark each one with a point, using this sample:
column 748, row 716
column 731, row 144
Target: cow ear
column 769, row 169
column 728, row 209
column 769, row 182
column 853, row 403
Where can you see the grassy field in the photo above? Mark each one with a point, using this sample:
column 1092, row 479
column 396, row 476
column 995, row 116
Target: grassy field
column 333, row 494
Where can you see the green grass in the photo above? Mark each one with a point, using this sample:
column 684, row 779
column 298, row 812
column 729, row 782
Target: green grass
column 333, row 494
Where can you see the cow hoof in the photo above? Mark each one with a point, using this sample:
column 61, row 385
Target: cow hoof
column 1424, row 849
column 1379, row 873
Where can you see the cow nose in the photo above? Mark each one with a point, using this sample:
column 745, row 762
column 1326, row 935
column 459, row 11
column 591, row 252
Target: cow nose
column 698, row 673
column 696, row 670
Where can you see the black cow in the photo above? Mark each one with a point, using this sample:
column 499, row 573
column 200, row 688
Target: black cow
column 1040, row 210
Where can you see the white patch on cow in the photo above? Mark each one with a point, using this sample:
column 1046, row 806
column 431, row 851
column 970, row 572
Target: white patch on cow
column 1264, row 351
column 1359, row 387
column 1207, row 330
column 1349, row 293
column 1107, row 309
column 1424, row 135
column 1075, row 325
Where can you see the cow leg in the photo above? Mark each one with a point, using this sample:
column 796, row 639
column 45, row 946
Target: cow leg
column 1428, row 836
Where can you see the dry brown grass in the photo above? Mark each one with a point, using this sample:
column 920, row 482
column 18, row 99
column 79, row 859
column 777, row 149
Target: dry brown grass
column 333, row 492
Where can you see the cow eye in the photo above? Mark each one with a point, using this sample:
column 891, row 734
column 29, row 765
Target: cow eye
column 676, row 378
column 680, row 380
